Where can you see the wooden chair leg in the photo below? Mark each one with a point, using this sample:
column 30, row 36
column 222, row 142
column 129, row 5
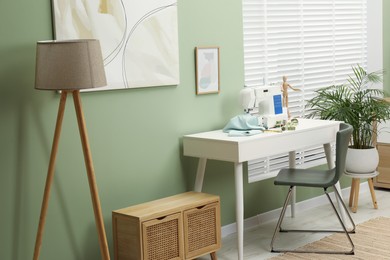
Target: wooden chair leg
column 356, row 195
column 213, row 256
column 371, row 186
column 352, row 193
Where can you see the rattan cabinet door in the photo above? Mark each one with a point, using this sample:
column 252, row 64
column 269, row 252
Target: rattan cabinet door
column 202, row 230
column 162, row 238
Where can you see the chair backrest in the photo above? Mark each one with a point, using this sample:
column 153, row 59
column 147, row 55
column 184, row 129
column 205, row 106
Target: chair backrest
column 342, row 141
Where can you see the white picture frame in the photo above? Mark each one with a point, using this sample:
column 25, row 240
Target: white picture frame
column 207, row 70
column 139, row 38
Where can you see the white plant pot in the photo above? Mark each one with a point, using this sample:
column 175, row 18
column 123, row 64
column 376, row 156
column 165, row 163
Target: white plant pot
column 362, row 160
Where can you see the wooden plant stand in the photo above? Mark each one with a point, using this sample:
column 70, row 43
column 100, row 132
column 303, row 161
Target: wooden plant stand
column 354, row 194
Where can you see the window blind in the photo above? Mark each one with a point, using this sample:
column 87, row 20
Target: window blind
column 312, row 43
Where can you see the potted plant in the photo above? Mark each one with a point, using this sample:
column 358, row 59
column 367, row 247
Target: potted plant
column 359, row 105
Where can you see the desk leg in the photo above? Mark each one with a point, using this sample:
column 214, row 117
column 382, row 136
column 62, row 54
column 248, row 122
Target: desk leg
column 200, row 174
column 238, row 175
column 291, row 164
column 331, row 165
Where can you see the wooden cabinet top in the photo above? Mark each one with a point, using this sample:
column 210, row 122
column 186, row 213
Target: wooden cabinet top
column 168, row 205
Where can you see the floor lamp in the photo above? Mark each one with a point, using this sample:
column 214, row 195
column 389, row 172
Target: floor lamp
column 70, row 66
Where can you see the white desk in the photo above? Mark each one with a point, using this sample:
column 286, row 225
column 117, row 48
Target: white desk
column 217, row 145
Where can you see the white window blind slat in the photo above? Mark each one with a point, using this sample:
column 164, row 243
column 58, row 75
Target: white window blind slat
column 313, row 43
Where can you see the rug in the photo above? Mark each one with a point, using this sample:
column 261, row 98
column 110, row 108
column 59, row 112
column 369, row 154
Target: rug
column 372, row 241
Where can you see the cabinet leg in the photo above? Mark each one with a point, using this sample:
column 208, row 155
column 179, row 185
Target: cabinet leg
column 213, row 256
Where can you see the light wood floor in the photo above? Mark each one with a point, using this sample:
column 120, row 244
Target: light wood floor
column 257, row 240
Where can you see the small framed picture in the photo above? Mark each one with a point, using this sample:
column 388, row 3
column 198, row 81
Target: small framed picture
column 207, row 70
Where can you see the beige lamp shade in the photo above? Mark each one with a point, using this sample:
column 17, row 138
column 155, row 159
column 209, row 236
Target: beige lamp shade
column 69, row 65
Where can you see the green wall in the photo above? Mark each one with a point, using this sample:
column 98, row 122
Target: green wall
column 135, row 135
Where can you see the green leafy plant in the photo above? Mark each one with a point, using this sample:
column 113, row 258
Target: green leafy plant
column 355, row 103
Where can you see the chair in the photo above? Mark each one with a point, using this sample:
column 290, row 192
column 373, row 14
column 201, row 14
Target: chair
column 318, row 179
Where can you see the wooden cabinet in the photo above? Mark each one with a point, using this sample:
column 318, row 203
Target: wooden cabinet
column 383, row 145
column 383, row 179
column 183, row 226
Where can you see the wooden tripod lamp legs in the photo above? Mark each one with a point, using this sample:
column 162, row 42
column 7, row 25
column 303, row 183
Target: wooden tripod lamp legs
column 91, row 177
column 50, row 175
column 90, row 172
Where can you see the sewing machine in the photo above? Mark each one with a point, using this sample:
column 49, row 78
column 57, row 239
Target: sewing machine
column 264, row 102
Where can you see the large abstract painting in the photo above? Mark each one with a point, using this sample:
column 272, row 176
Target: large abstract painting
column 139, row 38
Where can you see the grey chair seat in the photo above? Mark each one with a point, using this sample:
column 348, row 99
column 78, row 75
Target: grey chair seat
column 305, row 178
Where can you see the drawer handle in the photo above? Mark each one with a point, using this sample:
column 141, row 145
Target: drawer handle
column 201, row 207
column 161, row 218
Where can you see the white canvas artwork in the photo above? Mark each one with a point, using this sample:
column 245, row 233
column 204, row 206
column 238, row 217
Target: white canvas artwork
column 139, row 38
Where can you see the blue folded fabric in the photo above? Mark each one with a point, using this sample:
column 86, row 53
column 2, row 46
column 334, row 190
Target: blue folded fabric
column 243, row 125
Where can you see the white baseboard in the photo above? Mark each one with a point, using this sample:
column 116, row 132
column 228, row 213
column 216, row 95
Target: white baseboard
column 274, row 214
